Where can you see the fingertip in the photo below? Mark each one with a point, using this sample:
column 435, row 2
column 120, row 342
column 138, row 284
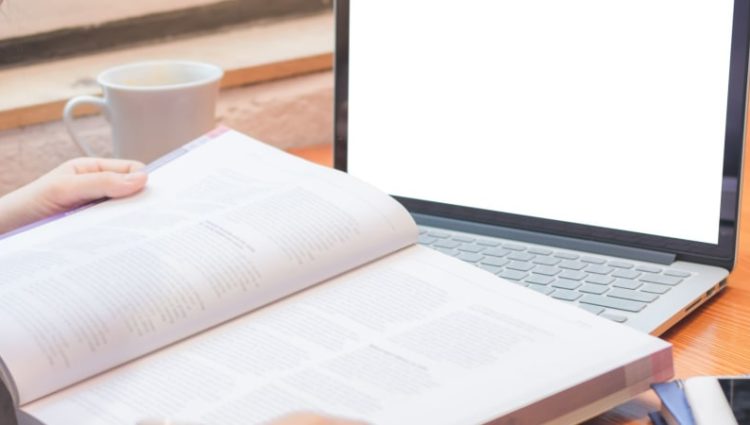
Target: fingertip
column 127, row 184
column 136, row 180
column 136, row 177
column 136, row 166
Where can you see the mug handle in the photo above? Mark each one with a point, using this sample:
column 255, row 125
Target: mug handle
column 68, row 119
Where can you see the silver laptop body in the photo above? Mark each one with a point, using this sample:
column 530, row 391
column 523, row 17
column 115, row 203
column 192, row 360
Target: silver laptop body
column 590, row 150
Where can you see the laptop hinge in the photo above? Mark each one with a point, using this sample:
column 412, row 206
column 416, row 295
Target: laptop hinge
column 602, row 248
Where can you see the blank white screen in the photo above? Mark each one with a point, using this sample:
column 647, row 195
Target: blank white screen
column 599, row 112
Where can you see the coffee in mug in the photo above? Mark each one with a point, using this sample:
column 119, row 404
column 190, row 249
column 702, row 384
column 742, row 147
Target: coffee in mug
column 153, row 107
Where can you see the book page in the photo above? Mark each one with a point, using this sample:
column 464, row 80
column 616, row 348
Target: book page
column 228, row 226
column 417, row 337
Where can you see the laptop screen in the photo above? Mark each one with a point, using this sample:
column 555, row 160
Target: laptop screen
column 608, row 114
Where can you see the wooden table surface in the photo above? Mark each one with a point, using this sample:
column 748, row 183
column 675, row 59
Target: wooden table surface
column 713, row 340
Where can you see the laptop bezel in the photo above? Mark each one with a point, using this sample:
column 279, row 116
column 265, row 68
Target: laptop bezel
column 723, row 254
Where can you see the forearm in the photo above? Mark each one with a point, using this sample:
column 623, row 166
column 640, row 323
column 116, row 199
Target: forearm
column 18, row 209
column 68, row 186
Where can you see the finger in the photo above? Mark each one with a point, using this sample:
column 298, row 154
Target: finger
column 339, row 421
column 308, row 418
column 301, row 418
column 95, row 165
column 90, row 186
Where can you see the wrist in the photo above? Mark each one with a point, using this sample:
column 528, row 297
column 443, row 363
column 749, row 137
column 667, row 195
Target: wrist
column 21, row 207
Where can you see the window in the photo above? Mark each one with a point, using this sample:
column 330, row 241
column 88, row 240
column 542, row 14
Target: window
column 34, row 30
column 51, row 51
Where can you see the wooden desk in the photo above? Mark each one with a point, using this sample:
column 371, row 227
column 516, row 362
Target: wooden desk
column 713, row 340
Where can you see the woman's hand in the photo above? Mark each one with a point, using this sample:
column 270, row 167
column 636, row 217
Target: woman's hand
column 70, row 185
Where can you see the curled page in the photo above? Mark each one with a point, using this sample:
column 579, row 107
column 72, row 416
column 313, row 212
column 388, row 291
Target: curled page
column 224, row 226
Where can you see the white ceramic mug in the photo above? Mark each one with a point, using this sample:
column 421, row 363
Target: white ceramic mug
column 153, row 107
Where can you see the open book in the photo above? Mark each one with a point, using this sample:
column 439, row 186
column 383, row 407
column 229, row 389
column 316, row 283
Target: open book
column 244, row 283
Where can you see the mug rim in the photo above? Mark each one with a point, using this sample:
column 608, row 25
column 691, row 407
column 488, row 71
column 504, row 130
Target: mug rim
column 216, row 74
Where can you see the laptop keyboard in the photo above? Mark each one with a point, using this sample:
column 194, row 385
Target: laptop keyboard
column 612, row 288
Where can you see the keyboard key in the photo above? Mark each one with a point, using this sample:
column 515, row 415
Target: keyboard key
column 615, row 317
column 563, row 294
column 620, row 264
column 438, row 234
column 425, row 239
column 648, row 269
column 566, row 284
column 655, row 289
column 545, row 261
column 539, row 251
column 512, row 274
column 593, row 260
column 592, row 308
column 661, row 280
column 599, row 279
column 599, row 269
column 463, row 238
column 572, row 265
column 626, row 274
column 447, row 244
column 615, row 303
column 471, row 248
column 488, row 242
column 541, row 288
column 494, row 261
column 627, row 284
column 514, row 247
column 676, row 273
column 451, row 252
column 593, row 289
column 518, row 265
column 518, row 282
column 566, row 255
column 469, row 257
column 632, row 295
column 546, row 270
column 497, row 252
column 489, row 268
column 521, row 256
column 422, row 231
column 539, row 279
column 573, row 274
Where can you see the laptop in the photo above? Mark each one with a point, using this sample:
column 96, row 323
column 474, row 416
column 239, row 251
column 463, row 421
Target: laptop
column 590, row 150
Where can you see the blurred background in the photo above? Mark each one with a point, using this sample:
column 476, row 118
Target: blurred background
column 277, row 55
